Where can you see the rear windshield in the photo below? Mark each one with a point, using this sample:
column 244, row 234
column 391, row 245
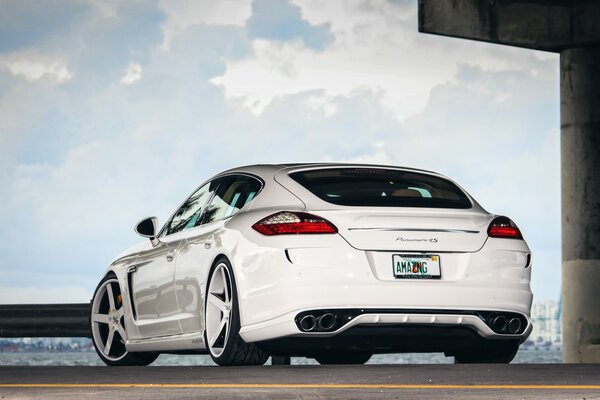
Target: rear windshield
column 381, row 188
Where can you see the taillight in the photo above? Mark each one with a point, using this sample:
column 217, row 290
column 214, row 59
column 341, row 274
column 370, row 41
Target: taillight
column 503, row 227
column 292, row 223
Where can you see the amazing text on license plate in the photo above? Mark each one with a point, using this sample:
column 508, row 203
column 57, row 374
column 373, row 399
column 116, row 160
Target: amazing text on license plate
column 416, row 266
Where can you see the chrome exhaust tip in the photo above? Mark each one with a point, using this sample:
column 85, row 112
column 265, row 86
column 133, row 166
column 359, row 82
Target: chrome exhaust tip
column 498, row 323
column 308, row 323
column 514, row 325
column 327, row 321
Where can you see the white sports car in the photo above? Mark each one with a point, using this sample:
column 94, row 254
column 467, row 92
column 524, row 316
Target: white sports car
column 332, row 261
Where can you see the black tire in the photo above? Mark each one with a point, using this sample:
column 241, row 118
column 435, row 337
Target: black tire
column 499, row 353
column 117, row 353
column 233, row 350
column 345, row 358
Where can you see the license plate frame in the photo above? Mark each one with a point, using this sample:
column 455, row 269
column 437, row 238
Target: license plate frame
column 416, row 266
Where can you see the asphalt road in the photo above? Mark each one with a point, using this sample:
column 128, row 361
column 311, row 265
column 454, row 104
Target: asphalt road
column 519, row 381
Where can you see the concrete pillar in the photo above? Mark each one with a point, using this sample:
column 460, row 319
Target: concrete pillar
column 570, row 27
column 580, row 175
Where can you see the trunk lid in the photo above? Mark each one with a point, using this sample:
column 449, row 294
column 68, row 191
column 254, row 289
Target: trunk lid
column 410, row 229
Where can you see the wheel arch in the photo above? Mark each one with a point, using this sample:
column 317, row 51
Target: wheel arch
column 111, row 327
column 110, row 272
column 234, row 277
column 119, row 273
column 214, row 263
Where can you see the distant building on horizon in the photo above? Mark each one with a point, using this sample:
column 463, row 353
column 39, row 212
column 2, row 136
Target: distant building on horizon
column 547, row 327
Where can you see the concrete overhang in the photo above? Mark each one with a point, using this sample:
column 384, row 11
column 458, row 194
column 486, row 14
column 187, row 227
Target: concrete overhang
column 550, row 25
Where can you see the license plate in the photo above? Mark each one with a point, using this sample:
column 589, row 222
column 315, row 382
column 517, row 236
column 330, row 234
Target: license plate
column 416, row 266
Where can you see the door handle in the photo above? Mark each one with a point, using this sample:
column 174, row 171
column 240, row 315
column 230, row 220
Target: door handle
column 171, row 255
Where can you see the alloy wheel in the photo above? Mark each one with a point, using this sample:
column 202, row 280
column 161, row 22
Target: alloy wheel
column 107, row 320
column 218, row 310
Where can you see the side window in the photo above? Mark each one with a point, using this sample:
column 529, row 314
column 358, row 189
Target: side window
column 189, row 214
column 233, row 193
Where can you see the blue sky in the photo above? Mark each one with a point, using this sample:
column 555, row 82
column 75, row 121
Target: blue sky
column 113, row 111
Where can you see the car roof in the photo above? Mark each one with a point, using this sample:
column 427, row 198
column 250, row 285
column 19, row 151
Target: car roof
column 281, row 172
column 260, row 169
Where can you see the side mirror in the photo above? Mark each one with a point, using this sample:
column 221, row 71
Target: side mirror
column 148, row 228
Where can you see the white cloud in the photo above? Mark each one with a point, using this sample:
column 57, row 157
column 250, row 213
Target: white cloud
column 184, row 13
column 133, row 73
column 33, row 66
column 377, row 155
column 105, row 9
column 280, row 69
column 322, row 105
column 82, row 162
column 376, row 47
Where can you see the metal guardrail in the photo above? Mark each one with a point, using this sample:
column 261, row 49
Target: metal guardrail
column 56, row 320
column 45, row 320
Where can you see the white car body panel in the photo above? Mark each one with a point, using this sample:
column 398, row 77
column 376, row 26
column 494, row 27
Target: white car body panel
column 153, row 289
column 278, row 277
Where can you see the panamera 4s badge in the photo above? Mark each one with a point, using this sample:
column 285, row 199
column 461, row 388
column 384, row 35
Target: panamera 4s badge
column 430, row 240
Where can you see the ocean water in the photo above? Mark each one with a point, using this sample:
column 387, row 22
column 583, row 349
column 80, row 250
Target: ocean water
column 89, row 358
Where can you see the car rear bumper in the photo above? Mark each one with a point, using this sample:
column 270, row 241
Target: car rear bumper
column 297, row 275
column 391, row 321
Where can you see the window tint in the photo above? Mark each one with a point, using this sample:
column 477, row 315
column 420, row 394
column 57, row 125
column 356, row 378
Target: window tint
column 234, row 192
column 189, row 214
column 381, row 188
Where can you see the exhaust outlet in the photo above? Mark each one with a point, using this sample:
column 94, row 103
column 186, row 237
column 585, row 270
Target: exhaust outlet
column 514, row 325
column 498, row 323
column 327, row 321
column 308, row 323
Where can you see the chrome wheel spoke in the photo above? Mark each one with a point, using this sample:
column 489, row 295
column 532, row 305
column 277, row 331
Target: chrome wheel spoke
column 121, row 331
column 225, row 289
column 111, row 297
column 217, row 332
column 217, row 302
column 109, row 340
column 100, row 318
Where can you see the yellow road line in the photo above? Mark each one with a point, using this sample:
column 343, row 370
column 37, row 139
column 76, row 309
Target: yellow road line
column 290, row 386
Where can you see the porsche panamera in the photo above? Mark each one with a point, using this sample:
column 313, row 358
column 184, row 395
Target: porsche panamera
column 335, row 262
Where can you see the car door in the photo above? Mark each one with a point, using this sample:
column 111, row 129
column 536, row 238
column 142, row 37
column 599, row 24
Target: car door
column 152, row 279
column 206, row 241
